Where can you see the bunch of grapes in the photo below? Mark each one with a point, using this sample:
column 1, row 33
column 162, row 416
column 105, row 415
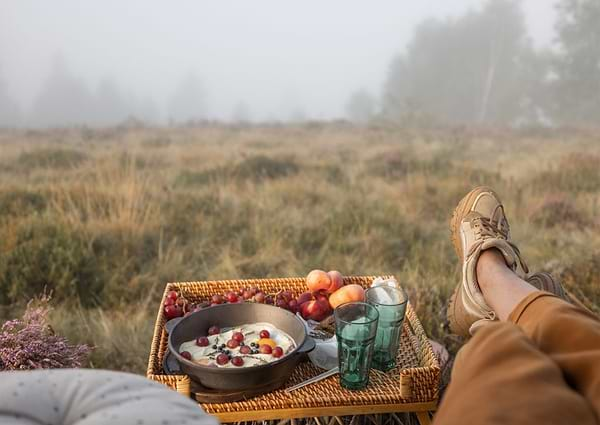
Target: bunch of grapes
column 177, row 306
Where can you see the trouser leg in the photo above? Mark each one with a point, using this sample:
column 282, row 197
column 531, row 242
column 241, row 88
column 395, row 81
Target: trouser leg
column 569, row 335
column 501, row 377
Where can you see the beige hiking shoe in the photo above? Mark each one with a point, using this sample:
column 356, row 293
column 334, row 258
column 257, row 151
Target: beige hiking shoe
column 546, row 282
column 478, row 223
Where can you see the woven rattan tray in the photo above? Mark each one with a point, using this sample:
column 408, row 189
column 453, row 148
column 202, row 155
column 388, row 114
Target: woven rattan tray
column 413, row 382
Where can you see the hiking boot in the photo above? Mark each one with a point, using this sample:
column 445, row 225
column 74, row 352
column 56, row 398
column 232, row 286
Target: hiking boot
column 478, row 223
column 546, row 282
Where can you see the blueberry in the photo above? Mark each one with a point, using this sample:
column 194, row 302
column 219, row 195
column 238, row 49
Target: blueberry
column 214, row 346
column 223, row 345
column 242, row 344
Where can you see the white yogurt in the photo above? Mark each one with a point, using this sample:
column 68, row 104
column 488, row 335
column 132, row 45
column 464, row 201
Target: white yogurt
column 207, row 355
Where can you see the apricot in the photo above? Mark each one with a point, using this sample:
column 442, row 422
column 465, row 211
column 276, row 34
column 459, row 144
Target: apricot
column 347, row 294
column 318, row 280
column 337, row 281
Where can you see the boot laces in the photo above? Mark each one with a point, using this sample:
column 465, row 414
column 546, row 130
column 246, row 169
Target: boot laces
column 485, row 229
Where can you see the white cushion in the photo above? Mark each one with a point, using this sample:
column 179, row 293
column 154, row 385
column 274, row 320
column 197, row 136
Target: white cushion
column 90, row 397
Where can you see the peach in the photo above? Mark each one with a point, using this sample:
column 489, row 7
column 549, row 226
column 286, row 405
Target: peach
column 318, row 280
column 337, row 281
column 347, row 294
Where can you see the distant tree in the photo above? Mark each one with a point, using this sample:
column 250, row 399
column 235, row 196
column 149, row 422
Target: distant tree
column 577, row 66
column 188, row 102
column 10, row 114
column 468, row 69
column 63, row 99
column 361, row 107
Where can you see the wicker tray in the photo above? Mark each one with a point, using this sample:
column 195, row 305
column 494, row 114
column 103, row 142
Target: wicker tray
column 414, row 381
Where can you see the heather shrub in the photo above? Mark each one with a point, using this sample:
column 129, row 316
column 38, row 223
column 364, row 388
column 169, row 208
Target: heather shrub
column 52, row 158
column 30, row 343
column 157, row 141
column 261, row 167
column 398, row 164
column 21, row 202
column 556, row 210
column 45, row 254
column 582, row 278
column 576, row 172
column 187, row 178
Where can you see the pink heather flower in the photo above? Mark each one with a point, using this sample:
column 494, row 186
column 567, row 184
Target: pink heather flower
column 30, row 343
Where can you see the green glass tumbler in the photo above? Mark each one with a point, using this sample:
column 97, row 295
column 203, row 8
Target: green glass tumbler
column 355, row 329
column 391, row 303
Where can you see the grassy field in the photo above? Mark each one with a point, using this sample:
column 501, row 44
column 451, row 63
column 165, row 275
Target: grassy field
column 104, row 218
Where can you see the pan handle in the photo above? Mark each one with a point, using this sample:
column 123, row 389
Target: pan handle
column 308, row 346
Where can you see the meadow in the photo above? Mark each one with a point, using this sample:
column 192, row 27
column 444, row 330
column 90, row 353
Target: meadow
column 105, row 218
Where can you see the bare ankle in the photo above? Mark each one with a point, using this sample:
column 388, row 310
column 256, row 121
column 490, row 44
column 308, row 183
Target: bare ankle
column 490, row 263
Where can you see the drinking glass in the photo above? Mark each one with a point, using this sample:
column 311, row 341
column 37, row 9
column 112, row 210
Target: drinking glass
column 391, row 303
column 355, row 329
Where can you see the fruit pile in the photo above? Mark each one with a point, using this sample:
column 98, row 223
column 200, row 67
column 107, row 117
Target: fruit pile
column 326, row 290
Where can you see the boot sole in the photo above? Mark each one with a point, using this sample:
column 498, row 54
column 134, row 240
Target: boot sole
column 455, row 309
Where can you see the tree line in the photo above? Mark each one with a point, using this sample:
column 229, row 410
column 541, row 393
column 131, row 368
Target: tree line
column 482, row 68
column 478, row 68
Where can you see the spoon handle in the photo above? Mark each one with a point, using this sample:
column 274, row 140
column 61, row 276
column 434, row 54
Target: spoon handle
column 317, row 378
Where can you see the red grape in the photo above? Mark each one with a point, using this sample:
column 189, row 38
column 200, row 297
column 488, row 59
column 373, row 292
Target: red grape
column 264, row 334
column 269, row 300
column 186, row 355
column 265, row 349
column 246, row 295
column 217, row 299
column 307, row 296
column 232, row 343
column 202, row 341
column 169, row 301
column 237, row 361
column 238, row 336
column 281, row 303
column 259, row 297
column 245, row 349
column 213, row 330
column 222, row 359
column 277, row 352
column 253, row 291
column 173, row 311
column 172, row 295
column 286, row 295
column 232, row 297
column 293, row 306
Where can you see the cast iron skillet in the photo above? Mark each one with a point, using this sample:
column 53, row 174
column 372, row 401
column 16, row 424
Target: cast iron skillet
column 229, row 315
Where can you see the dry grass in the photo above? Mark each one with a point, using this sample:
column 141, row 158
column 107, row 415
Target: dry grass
column 106, row 217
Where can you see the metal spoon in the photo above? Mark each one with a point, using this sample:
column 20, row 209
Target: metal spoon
column 317, row 378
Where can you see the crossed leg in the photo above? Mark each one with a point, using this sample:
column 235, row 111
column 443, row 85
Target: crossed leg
column 539, row 364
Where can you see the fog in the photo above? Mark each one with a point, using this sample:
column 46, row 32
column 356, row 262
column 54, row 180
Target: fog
column 258, row 60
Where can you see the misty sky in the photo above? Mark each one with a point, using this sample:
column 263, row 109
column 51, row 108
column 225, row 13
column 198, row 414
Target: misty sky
column 276, row 56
